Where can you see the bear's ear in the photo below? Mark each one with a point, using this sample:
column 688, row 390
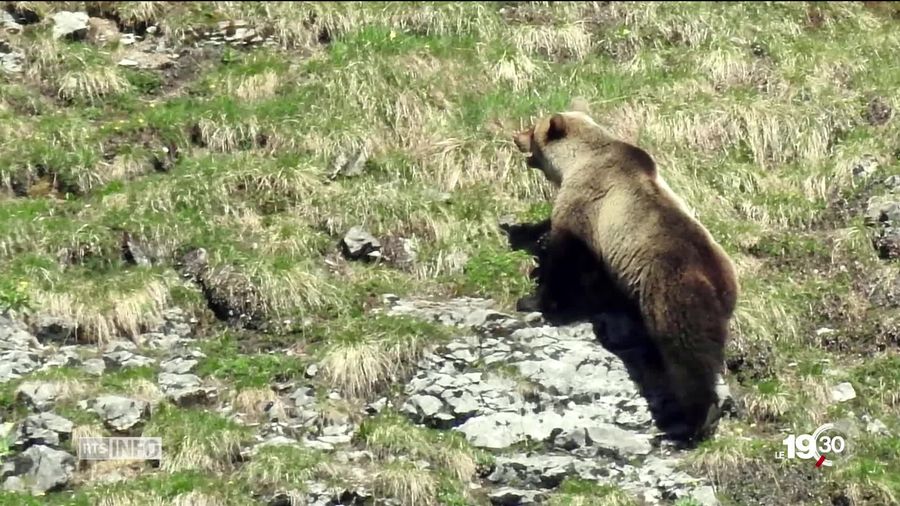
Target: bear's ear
column 557, row 129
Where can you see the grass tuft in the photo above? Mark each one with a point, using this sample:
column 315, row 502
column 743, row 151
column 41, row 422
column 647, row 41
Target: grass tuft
column 407, row 483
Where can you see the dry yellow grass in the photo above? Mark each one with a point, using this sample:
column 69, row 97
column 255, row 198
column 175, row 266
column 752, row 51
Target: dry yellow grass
column 258, row 404
column 117, row 314
column 407, row 483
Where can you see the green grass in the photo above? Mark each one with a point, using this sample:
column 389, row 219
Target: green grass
column 225, row 361
column 389, row 433
column 194, row 439
column 282, row 466
column 759, row 143
column 577, row 492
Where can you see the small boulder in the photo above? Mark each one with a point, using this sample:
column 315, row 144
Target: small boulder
column 12, row 63
column 37, row 395
column 514, row 497
column 39, row 469
column 125, row 359
column 118, row 413
column 15, row 364
column 71, row 25
column 843, row 392
column 178, row 365
column 344, row 166
column 94, row 366
column 425, row 406
column 56, row 329
column 184, row 389
column 359, row 244
column 44, row 429
column 8, row 23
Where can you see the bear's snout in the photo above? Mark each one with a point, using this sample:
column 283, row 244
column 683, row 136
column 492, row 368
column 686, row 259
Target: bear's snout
column 523, row 141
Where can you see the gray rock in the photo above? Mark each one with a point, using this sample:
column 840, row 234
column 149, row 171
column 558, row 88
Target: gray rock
column 337, row 430
column 892, row 182
column 49, row 328
column 120, row 345
column 463, row 405
column 73, row 25
column 6, row 430
column 515, row 497
column 39, row 469
column 16, row 364
column 94, row 366
column 119, row 413
column 318, row 445
column 134, row 250
column 335, row 440
column 125, row 359
column 620, row 442
column 358, row 244
column 184, row 389
column 160, row 341
column 496, row 430
column 843, row 392
column 706, row 496
column 39, row 396
column 175, row 322
column 482, row 317
column 344, row 166
column 661, row 473
column 43, row 429
column 573, row 439
column 303, row 396
column 312, row 370
column 425, row 405
column 66, row 357
column 12, row 63
column 376, row 406
column 14, row 335
column 534, row 318
column 146, row 61
column 537, row 471
column 875, row 426
column 566, row 393
column 178, row 365
column 8, row 23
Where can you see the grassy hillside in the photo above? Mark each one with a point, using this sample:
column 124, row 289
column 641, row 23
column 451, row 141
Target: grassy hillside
column 775, row 122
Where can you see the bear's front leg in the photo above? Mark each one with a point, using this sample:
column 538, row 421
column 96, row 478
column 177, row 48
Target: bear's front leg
column 559, row 279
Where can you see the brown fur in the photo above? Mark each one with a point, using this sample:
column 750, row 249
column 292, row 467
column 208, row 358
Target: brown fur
column 612, row 200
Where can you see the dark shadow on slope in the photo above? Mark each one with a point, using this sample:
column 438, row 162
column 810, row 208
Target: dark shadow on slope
column 593, row 297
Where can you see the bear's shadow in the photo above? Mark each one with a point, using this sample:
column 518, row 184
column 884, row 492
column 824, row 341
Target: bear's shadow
column 616, row 322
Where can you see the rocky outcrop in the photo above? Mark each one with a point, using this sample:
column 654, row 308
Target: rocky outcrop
column 510, row 380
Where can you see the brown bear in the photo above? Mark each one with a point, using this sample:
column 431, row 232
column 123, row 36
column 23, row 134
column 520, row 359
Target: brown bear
column 612, row 202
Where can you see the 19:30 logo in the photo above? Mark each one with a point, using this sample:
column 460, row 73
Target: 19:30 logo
column 815, row 446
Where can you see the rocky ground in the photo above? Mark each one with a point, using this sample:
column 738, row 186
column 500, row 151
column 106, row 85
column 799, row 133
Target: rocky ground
column 555, row 387
column 549, row 402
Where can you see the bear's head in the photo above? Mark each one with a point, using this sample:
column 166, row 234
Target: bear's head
column 564, row 143
column 554, row 143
